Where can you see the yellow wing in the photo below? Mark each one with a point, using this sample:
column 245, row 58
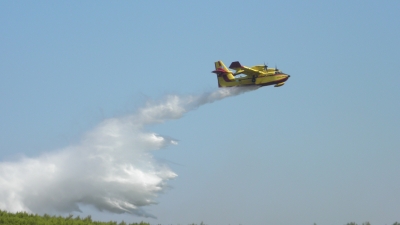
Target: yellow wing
column 245, row 70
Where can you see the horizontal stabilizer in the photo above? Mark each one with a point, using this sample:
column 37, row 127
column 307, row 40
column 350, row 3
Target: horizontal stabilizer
column 220, row 70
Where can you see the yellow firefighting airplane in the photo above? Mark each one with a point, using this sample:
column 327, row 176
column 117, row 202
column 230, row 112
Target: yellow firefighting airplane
column 259, row 75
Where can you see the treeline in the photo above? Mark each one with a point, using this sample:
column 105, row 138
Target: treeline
column 23, row 218
column 367, row 223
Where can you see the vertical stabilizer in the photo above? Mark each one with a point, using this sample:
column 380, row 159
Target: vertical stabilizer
column 219, row 65
column 225, row 76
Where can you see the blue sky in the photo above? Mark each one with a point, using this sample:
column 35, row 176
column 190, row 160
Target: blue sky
column 323, row 148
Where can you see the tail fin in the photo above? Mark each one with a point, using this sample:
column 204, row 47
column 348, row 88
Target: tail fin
column 225, row 76
column 219, row 65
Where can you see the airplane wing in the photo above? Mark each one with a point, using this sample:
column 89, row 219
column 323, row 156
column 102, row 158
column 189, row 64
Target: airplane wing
column 244, row 69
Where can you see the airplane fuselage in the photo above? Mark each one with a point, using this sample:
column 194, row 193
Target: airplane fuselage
column 261, row 80
column 259, row 75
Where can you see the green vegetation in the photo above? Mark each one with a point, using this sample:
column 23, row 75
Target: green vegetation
column 23, row 218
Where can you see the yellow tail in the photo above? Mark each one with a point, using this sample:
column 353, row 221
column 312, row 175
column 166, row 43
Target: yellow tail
column 220, row 65
column 225, row 76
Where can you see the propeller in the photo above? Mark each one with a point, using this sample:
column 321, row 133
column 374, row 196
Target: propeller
column 276, row 68
column 265, row 66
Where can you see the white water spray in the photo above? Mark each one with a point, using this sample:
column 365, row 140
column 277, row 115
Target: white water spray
column 112, row 168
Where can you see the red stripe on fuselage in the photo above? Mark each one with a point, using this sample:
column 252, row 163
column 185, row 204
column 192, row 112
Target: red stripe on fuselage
column 275, row 82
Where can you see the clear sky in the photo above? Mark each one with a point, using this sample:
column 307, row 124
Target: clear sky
column 323, row 148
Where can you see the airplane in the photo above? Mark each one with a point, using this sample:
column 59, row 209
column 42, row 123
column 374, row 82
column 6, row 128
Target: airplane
column 259, row 75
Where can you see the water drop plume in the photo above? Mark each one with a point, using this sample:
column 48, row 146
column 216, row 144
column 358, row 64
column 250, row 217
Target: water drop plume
column 111, row 168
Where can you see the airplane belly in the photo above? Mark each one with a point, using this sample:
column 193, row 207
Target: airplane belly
column 245, row 81
column 264, row 80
